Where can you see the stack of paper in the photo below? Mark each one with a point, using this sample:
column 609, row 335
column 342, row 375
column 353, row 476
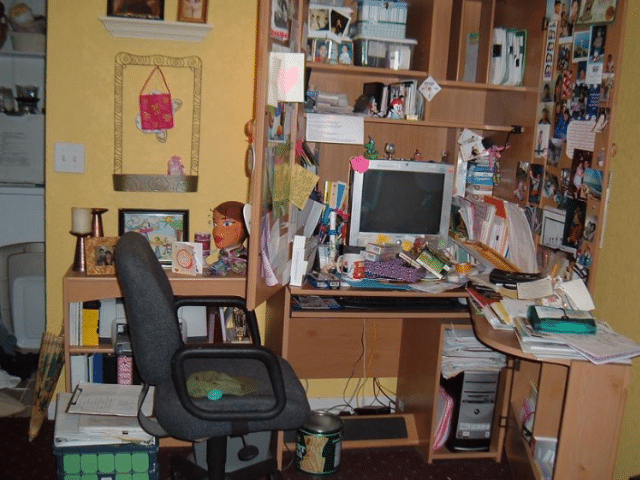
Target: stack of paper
column 542, row 345
column 462, row 351
column 75, row 429
column 605, row 346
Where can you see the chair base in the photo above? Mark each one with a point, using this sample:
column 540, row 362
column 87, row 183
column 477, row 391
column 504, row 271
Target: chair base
column 182, row 468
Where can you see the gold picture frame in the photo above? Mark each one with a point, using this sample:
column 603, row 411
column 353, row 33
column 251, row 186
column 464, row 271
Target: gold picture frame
column 185, row 73
column 99, row 252
column 194, row 11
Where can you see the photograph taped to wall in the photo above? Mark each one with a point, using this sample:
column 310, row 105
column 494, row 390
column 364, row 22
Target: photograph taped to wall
column 552, row 228
column 597, row 11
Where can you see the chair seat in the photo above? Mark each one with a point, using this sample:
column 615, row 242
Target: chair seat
column 180, row 424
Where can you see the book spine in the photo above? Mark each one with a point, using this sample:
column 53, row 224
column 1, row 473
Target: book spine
column 410, row 260
column 90, row 326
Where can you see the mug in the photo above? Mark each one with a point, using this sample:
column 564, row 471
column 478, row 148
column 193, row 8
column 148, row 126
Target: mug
column 351, row 266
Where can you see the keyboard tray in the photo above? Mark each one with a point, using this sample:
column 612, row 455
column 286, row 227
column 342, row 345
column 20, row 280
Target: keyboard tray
column 402, row 303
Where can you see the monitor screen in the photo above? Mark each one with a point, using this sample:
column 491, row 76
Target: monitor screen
column 399, row 198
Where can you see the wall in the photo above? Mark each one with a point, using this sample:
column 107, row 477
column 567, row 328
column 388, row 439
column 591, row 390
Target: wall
column 80, row 110
column 617, row 279
column 80, row 106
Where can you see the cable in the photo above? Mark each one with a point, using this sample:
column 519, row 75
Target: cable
column 353, row 370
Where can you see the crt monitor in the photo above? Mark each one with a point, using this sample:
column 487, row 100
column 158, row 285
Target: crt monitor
column 398, row 198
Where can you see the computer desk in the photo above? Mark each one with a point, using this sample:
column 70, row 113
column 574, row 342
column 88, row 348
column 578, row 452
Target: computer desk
column 579, row 403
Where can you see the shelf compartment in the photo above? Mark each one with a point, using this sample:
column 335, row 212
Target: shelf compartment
column 518, row 450
column 156, row 29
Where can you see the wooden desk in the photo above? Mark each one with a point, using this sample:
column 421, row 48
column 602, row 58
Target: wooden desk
column 403, row 344
column 579, row 403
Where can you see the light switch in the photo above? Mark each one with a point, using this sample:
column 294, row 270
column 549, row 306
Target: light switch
column 69, row 158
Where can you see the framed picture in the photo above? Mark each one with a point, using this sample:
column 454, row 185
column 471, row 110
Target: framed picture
column 99, row 252
column 161, row 227
column 192, row 11
column 150, row 9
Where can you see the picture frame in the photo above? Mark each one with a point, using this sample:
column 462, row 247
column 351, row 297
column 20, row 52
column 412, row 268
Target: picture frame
column 99, row 255
column 148, row 9
column 161, row 228
column 194, row 11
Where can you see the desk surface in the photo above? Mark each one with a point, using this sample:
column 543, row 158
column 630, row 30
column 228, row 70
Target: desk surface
column 79, row 287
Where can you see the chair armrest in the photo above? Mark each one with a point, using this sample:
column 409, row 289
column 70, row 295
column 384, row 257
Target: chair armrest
column 268, row 358
column 237, row 302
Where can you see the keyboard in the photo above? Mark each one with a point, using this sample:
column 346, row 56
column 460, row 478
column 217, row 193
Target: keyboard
column 402, row 303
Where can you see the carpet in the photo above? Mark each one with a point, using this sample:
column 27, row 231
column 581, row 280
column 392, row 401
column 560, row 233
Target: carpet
column 24, row 460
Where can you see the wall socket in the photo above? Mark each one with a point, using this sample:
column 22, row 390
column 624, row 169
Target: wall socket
column 69, row 158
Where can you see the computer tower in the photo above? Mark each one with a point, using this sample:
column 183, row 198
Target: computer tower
column 474, row 395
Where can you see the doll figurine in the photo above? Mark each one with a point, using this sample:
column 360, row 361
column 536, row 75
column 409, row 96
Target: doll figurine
column 229, row 234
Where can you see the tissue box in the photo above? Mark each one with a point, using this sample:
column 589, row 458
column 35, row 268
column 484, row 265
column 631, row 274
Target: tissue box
column 129, row 460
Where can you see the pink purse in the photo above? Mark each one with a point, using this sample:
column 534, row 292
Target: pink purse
column 156, row 111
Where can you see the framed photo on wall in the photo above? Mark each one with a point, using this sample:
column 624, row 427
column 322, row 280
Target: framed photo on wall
column 99, row 253
column 150, row 9
column 161, row 227
column 192, row 11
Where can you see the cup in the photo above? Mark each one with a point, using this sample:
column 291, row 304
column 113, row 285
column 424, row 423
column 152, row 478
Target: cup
column 351, row 266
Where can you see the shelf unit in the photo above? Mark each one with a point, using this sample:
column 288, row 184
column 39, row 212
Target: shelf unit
column 441, row 28
column 121, row 27
column 78, row 287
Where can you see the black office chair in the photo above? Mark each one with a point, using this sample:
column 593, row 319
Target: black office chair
column 164, row 361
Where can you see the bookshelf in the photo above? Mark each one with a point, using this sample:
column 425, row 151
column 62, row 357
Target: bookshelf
column 78, row 287
column 441, row 28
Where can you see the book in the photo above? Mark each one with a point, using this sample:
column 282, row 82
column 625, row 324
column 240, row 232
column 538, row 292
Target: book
column 379, row 257
column 380, row 248
column 433, row 262
column 90, row 324
column 72, row 430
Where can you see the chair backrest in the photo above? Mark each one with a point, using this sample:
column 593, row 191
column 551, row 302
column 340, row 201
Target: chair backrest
column 149, row 307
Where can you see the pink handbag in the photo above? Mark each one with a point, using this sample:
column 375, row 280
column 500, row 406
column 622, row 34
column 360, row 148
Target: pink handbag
column 156, row 111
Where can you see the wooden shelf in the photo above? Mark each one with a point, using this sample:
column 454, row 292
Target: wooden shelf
column 356, row 70
column 81, row 350
column 386, row 72
column 156, row 29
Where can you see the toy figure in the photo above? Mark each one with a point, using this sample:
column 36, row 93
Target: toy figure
column 397, row 109
column 229, row 234
column 370, row 151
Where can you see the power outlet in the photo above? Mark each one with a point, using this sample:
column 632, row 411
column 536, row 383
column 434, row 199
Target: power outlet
column 69, row 158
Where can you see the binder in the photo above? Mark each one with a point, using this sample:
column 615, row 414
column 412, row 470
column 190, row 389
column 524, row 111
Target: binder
column 508, row 56
column 560, row 320
column 498, row 56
